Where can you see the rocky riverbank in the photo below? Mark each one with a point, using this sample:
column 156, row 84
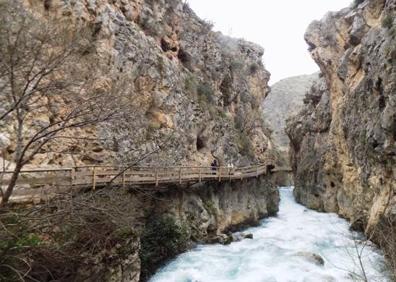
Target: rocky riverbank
column 208, row 212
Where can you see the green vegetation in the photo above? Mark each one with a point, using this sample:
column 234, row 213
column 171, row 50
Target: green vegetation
column 210, row 206
column 161, row 240
column 190, row 84
column 16, row 240
column 237, row 64
column 245, row 145
column 64, row 241
column 387, row 22
column 222, row 114
column 154, row 125
column 205, row 93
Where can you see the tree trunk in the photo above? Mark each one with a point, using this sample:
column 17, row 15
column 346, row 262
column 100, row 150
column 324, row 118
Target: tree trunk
column 10, row 188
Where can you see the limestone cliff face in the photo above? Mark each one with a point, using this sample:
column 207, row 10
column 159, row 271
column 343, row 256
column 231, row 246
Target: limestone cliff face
column 343, row 143
column 211, row 209
column 196, row 89
column 285, row 100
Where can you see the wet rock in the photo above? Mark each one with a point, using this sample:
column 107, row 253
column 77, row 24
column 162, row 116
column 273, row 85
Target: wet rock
column 248, row 236
column 236, row 237
column 311, row 257
column 225, row 239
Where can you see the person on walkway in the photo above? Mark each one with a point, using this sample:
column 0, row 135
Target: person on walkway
column 214, row 166
column 230, row 167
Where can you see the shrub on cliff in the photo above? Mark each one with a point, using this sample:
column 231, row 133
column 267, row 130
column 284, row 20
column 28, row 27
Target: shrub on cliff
column 161, row 240
column 205, row 92
column 68, row 240
column 387, row 22
column 385, row 236
column 245, row 146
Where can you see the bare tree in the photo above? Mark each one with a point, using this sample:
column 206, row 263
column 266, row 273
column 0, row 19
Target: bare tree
column 43, row 74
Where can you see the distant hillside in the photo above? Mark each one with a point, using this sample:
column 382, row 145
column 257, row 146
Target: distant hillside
column 285, row 100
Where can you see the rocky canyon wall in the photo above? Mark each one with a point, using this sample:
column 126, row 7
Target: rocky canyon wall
column 343, row 143
column 191, row 94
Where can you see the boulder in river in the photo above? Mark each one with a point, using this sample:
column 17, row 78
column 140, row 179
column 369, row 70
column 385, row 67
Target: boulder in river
column 311, row 257
column 236, row 237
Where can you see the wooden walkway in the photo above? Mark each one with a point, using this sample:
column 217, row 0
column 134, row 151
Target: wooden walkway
column 100, row 176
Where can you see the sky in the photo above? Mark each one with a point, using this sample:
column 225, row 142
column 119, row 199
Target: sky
column 277, row 25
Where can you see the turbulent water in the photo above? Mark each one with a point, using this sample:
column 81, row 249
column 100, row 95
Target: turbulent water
column 282, row 250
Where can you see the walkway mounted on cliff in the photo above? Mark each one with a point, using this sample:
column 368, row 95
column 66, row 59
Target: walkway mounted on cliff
column 101, row 176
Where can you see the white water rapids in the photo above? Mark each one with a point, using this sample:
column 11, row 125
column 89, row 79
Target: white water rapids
column 278, row 252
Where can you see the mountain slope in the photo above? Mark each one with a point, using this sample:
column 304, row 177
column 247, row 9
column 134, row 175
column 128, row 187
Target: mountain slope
column 285, row 100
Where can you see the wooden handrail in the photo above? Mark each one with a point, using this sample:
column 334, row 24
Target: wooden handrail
column 96, row 176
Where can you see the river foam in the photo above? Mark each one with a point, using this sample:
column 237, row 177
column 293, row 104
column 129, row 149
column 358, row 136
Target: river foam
column 281, row 251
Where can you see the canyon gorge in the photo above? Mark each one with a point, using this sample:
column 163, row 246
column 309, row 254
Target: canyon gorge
column 169, row 91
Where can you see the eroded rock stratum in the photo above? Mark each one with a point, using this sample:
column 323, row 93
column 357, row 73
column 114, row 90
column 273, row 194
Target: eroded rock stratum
column 343, row 147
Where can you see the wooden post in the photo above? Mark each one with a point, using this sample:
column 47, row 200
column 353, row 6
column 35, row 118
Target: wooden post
column 180, row 180
column 72, row 176
column 156, row 177
column 94, row 178
column 200, row 175
column 123, row 179
column 4, row 165
column 219, row 173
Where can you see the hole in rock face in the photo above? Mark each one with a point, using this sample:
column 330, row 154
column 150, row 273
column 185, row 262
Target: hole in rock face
column 200, row 143
column 332, row 184
column 47, row 4
column 184, row 57
column 379, row 86
column 165, row 46
column 226, row 90
column 381, row 102
column 253, row 69
column 375, row 144
column 311, row 46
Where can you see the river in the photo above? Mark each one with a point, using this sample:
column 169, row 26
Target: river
column 282, row 249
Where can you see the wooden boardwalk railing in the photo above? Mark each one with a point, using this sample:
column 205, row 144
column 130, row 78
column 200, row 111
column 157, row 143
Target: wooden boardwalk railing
column 99, row 176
